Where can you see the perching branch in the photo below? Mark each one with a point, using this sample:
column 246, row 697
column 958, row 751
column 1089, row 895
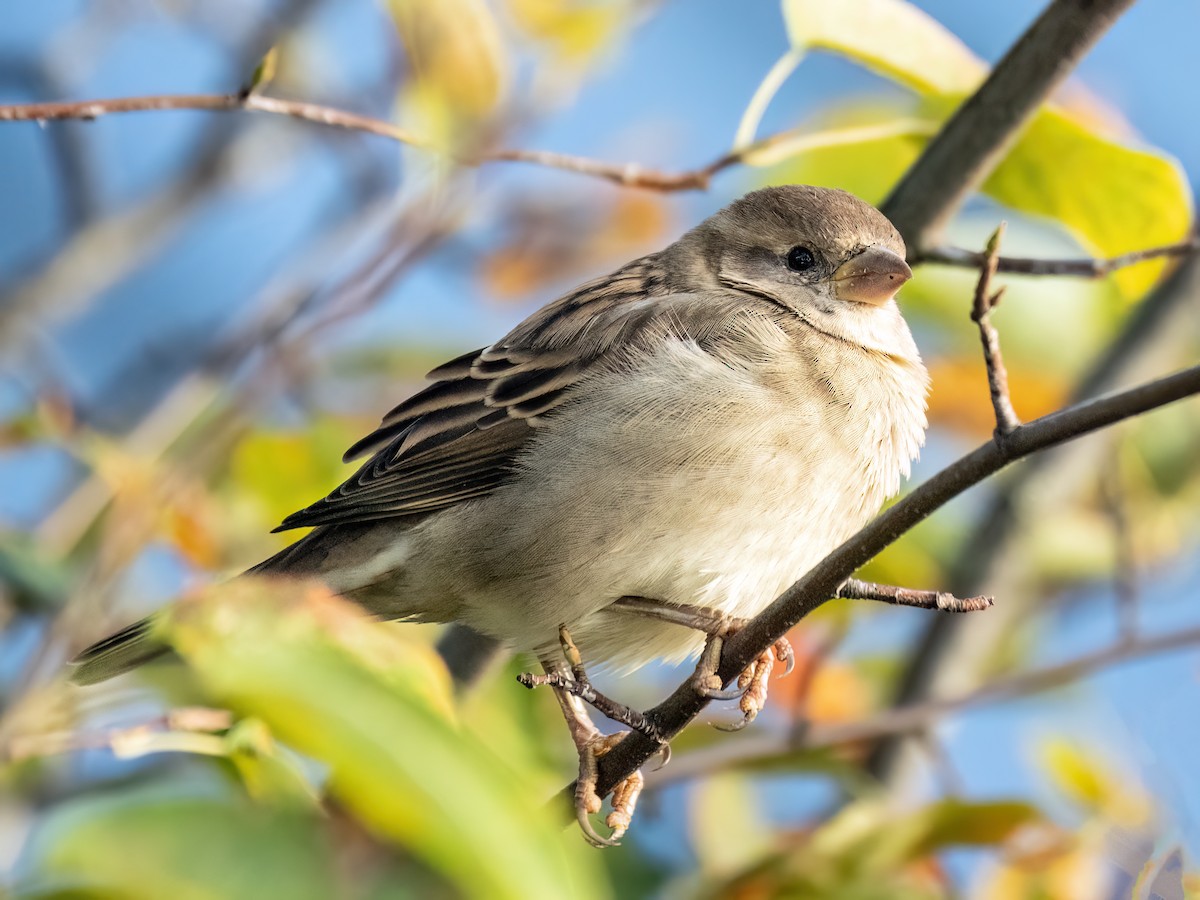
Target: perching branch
column 823, row 581
column 981, row 310
column 975, row 139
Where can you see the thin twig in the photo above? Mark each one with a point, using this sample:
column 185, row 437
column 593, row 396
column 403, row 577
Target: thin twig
column 626, row 174
column 854, row 589
column 1083, row 267
column 822, row 582
column 585, row 691
column 985, row 301
column 917, row 717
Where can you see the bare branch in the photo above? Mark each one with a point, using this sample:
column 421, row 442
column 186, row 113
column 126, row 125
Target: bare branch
column 918, row 717
column 625, row 174
column 977, row 136
column 985, row 301
column 823, row 581
column 854, row 589
column 1083, row 267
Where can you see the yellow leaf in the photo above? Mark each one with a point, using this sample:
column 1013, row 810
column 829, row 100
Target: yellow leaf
column 891, row 37
column 1077, row 776
column 373, row 705
column 1111, row 197
column 575, row 29
column 458, row 59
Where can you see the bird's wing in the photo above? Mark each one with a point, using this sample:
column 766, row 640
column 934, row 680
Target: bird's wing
column 457, row 439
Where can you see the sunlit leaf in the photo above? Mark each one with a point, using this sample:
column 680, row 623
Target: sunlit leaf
column 1112, row 197
column 283, row 470
column 1077, row 775
column 575, row 29
column 891, row 37
column 372, row 704
column 458, row 59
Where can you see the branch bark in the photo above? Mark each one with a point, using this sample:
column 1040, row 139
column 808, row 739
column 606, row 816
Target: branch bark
column 1084, row 267
column 823, row 581
column 978, row 135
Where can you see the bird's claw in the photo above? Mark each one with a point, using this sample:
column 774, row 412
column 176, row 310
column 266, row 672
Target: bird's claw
column 588, row 802
column 751, row 690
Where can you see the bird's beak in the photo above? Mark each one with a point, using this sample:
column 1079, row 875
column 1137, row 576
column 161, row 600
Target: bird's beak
column 872, row 276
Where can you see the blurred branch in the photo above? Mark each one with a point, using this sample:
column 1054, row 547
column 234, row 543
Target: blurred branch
column 104, row 250
column 189, row 729
column 917, row 717
column 981, row 310
column 822, row 582
column 977, row 136
column 1080, row 268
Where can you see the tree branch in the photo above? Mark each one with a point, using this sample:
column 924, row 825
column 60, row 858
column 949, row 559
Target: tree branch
column 981, row 310
column 977, row 136
column 1078, row 268
column 853, row 589
column 626, row 174
column 823, row 581
column 917, row 717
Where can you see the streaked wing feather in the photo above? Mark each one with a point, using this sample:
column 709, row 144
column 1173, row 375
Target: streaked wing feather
column 458, row 438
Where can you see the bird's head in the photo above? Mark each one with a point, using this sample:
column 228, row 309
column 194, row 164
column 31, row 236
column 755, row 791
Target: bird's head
column 826, row 256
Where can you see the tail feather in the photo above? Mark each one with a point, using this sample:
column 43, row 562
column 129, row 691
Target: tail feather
column 118, row 653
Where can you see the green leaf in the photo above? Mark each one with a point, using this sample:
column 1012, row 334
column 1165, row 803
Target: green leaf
column 160, row 842
column 372, row 704
column 277, row 467
column 1111, row 197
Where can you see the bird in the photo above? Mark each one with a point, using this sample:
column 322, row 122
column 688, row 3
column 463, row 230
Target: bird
column 640, row 463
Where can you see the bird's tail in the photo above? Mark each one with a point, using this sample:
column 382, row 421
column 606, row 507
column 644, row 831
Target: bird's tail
column 117, row 653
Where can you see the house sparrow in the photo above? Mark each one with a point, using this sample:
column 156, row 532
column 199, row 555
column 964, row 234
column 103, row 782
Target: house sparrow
column 646, row 459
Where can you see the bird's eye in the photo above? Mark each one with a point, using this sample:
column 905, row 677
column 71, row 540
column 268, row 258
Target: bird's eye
column 800, row 259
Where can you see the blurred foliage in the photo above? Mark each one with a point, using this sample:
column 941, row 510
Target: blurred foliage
column 301, row 750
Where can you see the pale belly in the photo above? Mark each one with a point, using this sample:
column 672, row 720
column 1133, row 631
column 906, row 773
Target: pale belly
column 689, row 509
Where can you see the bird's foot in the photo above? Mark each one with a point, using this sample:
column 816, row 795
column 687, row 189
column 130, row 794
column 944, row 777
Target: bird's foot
column 751, row 690
column 588, row 802
column 572, row 688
